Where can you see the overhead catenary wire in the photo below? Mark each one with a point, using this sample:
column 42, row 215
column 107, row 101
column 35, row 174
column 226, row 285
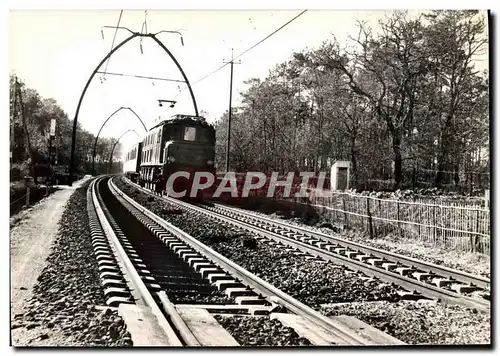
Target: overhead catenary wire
column 272, row 33
column 113, row 43
column 143, row 77
column 144, row 27
column 249, row 49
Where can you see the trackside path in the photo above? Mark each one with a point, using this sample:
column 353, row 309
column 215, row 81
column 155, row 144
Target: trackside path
column 30, row 244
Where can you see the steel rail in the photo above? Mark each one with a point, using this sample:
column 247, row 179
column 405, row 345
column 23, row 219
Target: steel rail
column 186, row 334
column 261, row 286
column 460, row 276
column 401, row 280
column 408, row 283
column 131, row 271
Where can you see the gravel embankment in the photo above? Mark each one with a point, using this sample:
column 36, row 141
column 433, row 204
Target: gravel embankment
column 316, row 283
column 312, row 282
column 68, row 290
column 260, row 331
column 422, row 323
column 474, row 263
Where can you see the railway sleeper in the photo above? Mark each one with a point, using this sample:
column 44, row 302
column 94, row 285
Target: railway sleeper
column 251, row 300
column 109, row 262
column 115, row 275
column 177, row 248
column 389, row 266
column 102, row 248
column 147, row 278
column 205, row 271
column 115, row 291
column 239, row 292
column 214, row 277
column 108, row 268
column 421, row 276
column 320, row 244
column 186, row 256
column 195, row 259
column 351, row 254
column 184, row 251
column 442, row 282
column 363, row 258
column 223, row 284
column 405, row 295
column 375, row 261
column 115, row 283
column 115, row 301
column 463, row 288
column 201, row 264
column 404, row 271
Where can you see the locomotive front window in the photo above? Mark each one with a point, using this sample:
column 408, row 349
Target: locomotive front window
column 205, row 135
column 189, row 133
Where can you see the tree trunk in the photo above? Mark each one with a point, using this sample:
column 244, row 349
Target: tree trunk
column 443, row 158
column 398, row 161
column 353, row 160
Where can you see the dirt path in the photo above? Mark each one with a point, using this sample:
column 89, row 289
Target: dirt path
column 30, row 244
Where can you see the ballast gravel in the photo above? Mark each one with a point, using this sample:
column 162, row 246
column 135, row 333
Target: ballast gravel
column 422, row 322
column 313, row 282
column 260, row 331
column 475, row 263
column 181, row 283
column 68, row 304
column 316, row 283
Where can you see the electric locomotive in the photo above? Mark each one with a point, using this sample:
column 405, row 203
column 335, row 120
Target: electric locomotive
column 182, row 143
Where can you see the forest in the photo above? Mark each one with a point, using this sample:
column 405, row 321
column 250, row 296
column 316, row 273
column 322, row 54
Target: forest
column 403, row 102
column 30, row 118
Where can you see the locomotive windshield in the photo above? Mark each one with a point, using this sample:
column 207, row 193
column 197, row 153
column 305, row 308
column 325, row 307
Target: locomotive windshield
column 206, row 135
column 189, row 133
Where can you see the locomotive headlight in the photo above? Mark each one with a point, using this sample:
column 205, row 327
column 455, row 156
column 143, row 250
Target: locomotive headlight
column 170, row 159
column 210, row 163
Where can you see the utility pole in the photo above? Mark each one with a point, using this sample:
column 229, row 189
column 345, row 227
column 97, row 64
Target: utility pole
column 19, row 101
column 52, row 134
column 230, row 109
column 13, row 123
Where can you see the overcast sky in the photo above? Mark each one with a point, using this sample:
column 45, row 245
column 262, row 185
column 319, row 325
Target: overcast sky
column 55, row 51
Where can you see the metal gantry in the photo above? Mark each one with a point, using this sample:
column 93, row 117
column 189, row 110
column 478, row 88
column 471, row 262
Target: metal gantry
column 132, row 36
column 104, row 124
column 114, row 146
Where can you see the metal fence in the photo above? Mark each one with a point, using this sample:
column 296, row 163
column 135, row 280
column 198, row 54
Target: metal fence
column 455, row 227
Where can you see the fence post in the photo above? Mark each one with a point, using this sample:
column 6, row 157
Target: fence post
column 399, row 225
column 27, row 196
column 346, row 221
column 369, row 217
column 414, row 178
column 434, row 223
column 381, row 222
column 476, row 236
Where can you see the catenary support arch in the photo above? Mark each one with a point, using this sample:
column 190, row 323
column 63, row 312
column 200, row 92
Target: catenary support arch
column 126, row 40
column 114, row 146
column 104, row 124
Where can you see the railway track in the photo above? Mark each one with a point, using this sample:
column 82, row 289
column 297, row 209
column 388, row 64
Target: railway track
column 420, row 279
column 177, row 281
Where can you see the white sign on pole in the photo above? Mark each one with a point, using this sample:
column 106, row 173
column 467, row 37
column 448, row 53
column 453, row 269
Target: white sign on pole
column 53, row 127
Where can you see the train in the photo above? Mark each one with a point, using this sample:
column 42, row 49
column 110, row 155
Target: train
column 180, row 143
